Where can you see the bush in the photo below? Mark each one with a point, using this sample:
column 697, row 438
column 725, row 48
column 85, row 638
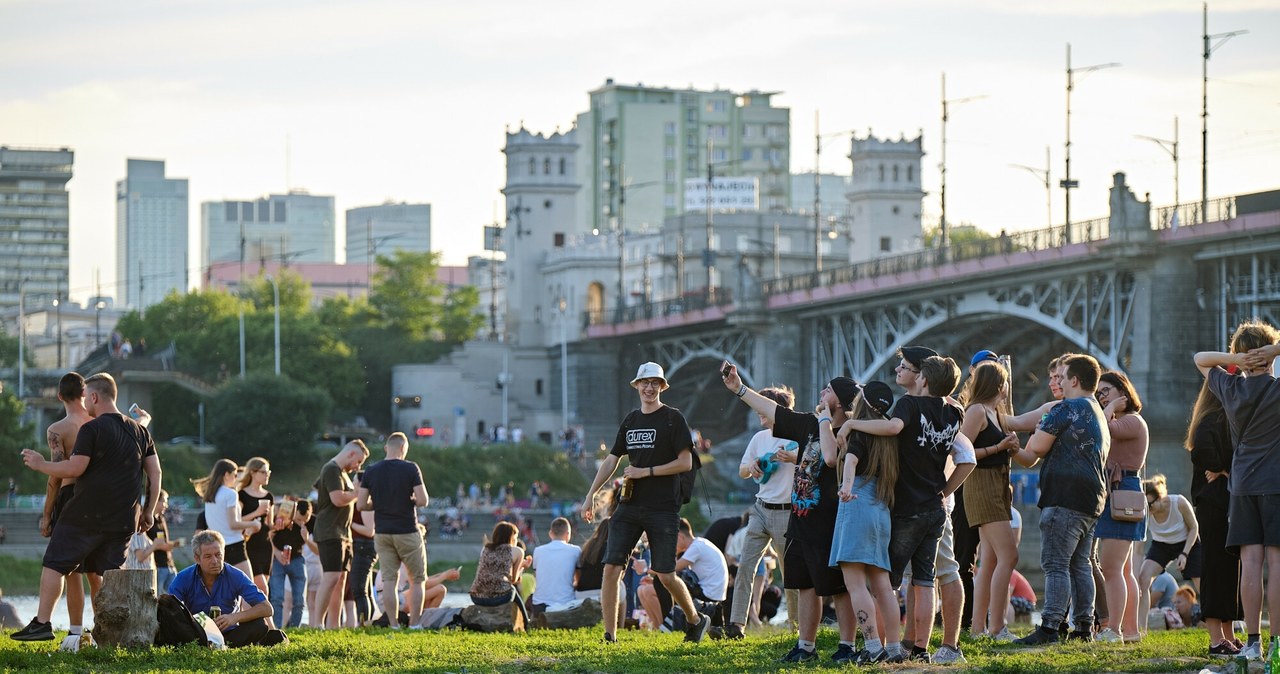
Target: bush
column 444, row 468
column 266, row 415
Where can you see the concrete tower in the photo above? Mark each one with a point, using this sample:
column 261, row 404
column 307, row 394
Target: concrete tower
column 885, row 196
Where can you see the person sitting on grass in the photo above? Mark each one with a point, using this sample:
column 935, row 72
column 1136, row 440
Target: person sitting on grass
column 211, row 583
column 498, row 574
column 555, row 565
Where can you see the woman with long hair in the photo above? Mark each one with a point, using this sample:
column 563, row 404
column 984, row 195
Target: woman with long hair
column 222, row 513
column 989, row 496
column 257, row 501
column 1209, row 443
column 498, row 574
column 1129, row 443
column 861, row 544
column 1175, row 539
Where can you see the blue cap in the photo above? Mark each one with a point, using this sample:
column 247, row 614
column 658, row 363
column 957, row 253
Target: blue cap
column 983, row 356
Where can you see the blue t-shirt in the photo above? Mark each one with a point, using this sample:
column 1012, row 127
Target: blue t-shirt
column 1072, row 475
column 229, row 588
column 1165, row 584
column 391, row 483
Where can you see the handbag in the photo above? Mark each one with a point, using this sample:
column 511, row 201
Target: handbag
column 1128, row 505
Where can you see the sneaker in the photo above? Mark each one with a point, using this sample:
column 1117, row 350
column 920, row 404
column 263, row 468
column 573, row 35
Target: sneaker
column 734, row 631
column 610, row 639
column 34, row 631
column 947, row 655
column 865, row 657
column 1223, row 650
column 381, row 621
column 1004, row 636
column 1040, row 637
column 716, row 633
column 1250, row 651
column 798, row 654
column 1132, row 638
column 696, row 631
column 1080, row 635
column 919, row 654
column 844, row 654
column 1107, row 636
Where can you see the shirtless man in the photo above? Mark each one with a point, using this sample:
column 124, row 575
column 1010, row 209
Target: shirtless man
column 62, row 439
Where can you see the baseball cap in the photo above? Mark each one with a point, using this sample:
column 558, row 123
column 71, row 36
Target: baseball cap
column 983, row 356
column 846, row 390
column 650, row 370
column 916, row 354
column 879, row 396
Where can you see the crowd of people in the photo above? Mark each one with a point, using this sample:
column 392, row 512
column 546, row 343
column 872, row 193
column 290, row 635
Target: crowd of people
column 872, row 497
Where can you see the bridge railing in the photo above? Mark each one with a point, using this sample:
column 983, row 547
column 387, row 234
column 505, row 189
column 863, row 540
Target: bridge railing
column 692, row 301
column 1223, row 208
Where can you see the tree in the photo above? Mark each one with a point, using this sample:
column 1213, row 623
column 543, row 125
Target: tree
column 15, row 435
column 406, row 294
column 269, row 416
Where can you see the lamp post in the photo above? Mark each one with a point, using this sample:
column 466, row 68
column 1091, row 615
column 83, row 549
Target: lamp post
column 1170, row 146
column 1043, row 176
column 275, row 291
column 818, row 140
column 372, row 253
column 944, row 236
column 57, row 306
column 97, row 321
column 1209, row 47
column 623, row 186
column 22, row 338
column 564, row 361
column 1067, row 184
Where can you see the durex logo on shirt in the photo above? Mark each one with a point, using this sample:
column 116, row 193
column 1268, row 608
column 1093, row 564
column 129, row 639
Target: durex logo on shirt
column 641, row 438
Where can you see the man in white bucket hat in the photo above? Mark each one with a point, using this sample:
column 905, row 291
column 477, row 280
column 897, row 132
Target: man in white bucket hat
column 657, row 442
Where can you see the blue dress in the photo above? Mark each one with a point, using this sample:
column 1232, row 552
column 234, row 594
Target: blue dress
column 862, row 527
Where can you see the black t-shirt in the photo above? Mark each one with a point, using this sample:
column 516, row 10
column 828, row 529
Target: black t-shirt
column 108, row 496
column 391, row 483
column 929, row 426
column 261, row 539
column 860, row 447
column 291, row 536
column 720, row 531
column 990, row 437
column 814, row 500
column 160, row 528
column 652, row 440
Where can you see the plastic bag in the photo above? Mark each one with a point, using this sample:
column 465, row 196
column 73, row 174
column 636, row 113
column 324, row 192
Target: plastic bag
column 216, row 641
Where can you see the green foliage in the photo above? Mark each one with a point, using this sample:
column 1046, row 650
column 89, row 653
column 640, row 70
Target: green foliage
column 19, row 576
column 15, row 435
column 959, row 235
column 265, row 415
column 444, row 468
column 406, row 294
column 295, row 293
column 376, row 650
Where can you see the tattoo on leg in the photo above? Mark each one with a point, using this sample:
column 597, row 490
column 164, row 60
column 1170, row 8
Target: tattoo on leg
column 863, row 618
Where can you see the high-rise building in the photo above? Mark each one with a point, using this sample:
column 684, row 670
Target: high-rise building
column 642, row 144
column 34, row 224
column 151, row 234
column 374, row 230
column 286, row 227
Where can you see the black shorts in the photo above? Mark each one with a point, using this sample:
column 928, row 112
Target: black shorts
column 259, row 554
column 60, row 501
column 1163, row 553
column 335, row 555
column 234, row 553
column 807, row 566
column 1254, row 520
column 72, row 548
column 914, row 540
column 625, row 527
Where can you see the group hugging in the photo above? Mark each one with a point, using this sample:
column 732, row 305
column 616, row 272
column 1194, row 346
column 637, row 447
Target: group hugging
column 872, row 489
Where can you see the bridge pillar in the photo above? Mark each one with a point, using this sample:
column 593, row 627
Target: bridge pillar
column 600, row 393
column 778, row 358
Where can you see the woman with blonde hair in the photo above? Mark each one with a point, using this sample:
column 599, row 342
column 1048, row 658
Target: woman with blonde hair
column 988, row 499
column 1175, row 539
column 257, row 502
column 222, row 513
column 498, row 574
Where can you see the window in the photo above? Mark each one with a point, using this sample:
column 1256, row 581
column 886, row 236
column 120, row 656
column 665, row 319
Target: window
column 719, row 154
column 886, row 244
column 746, row 154
column 895, row 173
column 533, row 166
column 717, row 131
column 669, row 176
column 264, row 211
column 773, row 130
column 882, row 173
column 669, row 129
column 691, row 114
column 246, row 211
column 562, row 165
column 784, row 243
column 669, row 201
column 546, row 166
column 911, row 171
column 896, row 210
column 717, row 105
column 537, row 386
column 774, row 155
column 669, row 153
column 691, row 141
column 748, row 131
column 558, row 240
column 743, row 243
column 233, row 211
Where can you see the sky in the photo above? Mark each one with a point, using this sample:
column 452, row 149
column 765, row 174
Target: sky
column 409, row 101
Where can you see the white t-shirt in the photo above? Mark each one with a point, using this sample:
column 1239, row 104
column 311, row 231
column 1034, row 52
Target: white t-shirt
column 778, row 488
column 553, row 566
column 215, row 514
column 708, row 562
column 737, row 540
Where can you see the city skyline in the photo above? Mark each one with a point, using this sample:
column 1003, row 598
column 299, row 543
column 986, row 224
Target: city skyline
column 384, row 101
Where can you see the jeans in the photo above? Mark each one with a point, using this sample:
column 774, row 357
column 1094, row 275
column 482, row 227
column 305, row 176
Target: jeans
column 164, row 575
column 296, row 572
column 512, row 597
column 1066, row 541
column 364, row 554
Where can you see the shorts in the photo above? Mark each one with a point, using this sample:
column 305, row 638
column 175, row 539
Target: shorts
column 60, row 501
column 1254, row 520
column 396, row 549
column 988, row 496
column 1107, row 528
column 335, row 555
column 807, row 566
column 234, row 553
column 629, row 522
column 914, row 541
column 259, row 554
column 1163, row 553
column 72, row 548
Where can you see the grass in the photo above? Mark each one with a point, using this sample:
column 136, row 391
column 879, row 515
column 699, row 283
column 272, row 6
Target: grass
column 19, row 576
column 360, row 651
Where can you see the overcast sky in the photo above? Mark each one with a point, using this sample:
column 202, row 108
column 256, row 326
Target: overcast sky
column 408, row 100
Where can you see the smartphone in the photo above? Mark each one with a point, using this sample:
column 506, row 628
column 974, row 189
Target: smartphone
column 724, row 371
column 133, row 410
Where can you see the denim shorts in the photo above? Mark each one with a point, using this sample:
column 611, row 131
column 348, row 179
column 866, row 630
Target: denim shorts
column 629, row 522
column 914, row 541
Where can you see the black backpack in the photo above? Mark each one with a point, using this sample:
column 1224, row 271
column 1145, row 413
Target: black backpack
column 177, row 627
column 685, row 480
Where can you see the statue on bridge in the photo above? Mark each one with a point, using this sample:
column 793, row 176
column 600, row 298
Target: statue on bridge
column 1128, row 213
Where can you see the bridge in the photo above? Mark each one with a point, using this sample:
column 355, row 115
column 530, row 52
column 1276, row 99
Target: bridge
column 1137, row 292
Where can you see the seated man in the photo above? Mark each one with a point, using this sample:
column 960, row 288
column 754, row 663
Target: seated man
column 555, row 566
column 209, row 582
column 703, row 568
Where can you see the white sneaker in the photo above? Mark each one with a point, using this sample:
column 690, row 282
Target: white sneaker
column 1251, row 652
column 1004, row 636
column 947, row 655
column 1107, row 635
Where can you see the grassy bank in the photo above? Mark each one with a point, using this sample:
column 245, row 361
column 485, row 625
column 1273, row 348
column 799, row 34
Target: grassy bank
column 19, row 576
column 358, row 652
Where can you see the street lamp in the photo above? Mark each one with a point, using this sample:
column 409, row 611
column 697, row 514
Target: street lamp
column 564, row 361
column 1170, row 146
column 57, row 306
column 275, row 291
column 22, row 337
column 623, row 186
column 1209, row 48
column 1067, row 184
column 1043, row 176
column 818, row 140
column 97, row 321
column 944, row 236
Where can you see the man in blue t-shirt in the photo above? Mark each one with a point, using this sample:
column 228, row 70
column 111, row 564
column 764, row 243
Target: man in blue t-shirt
column 210, row 582
column 393, row 490
column 1073, row 441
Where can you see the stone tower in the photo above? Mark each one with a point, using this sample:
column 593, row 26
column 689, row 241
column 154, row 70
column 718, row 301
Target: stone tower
column 885, row 196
